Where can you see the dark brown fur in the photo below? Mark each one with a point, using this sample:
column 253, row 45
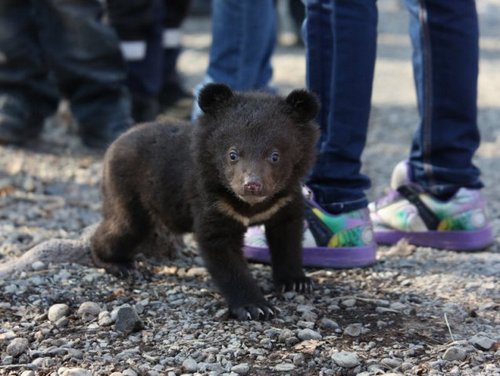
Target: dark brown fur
column 185, row 176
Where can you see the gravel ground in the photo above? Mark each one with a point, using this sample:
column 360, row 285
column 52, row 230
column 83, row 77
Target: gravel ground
column 418, row 311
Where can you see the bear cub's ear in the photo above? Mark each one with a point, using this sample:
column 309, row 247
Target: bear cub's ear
column 213, row 96
column 304, row 105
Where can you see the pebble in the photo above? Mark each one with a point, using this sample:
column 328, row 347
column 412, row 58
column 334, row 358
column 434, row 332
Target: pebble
column 63, row 371
column 454, row 353
column 305, row 334
column 346, row 359
column 28, row 373
column 105, row 319
column 398, row 306
column 241, row 369
column 482, row 342
column 391, row 362
column 88, row 311
column 127, row 320
column 129, row 372
column 284, row 367
column 57, row 311
column 328, row 324
column 190, row 365
column 38, row 265
column 17, row 346
column 353, row 330
column 348, row 303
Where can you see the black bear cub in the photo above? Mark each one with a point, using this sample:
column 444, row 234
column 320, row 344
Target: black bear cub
column 242, row 164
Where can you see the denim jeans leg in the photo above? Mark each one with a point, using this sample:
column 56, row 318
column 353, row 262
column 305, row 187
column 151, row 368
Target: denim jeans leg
column 244, row 37
column 445, row 38
column 341, row 49
column 23, row 70
column 86, row 59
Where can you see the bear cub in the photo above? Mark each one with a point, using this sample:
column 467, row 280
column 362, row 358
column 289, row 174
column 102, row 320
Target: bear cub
column 241, row 164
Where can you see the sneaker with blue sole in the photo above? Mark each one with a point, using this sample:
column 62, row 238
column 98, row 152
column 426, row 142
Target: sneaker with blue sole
column 408, row 212
column 329, row 241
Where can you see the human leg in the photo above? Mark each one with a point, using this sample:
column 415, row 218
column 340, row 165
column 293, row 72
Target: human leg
column 445, row 38
column 27, row 96
column 85, row 57
column 172, row 92
column 435, row 199
column 243, row 41
column 341, row 47
column 340, row 43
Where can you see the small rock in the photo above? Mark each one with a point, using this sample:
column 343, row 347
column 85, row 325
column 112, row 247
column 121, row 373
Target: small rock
column 62, row 322
column 306, row 334
column 301, row 308
column 348, row 303
column 105, row 319
column 285, row 334
column 17, row 346
column 391, row 362
column 190, row 365
column 482, row 342
column 353, row 330
column 28, row 373
column 398, row 306
column 38, row 265
column 284, row 367
column 129, row 372
column 241, row 369
column 346, row 359
column 63, row 371
column 57, row 311
column 454, row 353
column 127, row 320
column 9, row 335
column 88, row 311
column 328, row 324
column 298, row 359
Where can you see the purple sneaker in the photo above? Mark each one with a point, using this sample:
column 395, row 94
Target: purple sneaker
column 459, row 223
column 329, row 241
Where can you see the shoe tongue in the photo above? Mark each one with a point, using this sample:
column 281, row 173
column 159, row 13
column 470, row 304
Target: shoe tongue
column 400, row 175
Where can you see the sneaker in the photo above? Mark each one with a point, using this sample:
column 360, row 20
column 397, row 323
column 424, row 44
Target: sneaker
column 330, row 241
column 407, row 211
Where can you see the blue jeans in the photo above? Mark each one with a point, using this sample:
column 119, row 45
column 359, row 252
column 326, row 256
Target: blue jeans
column 61, row 47
column 243, row 41
column 341, row 49
column 244, row 36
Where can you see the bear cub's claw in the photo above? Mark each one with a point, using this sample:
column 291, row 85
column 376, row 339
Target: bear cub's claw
column 302, row 285
column 260, row 311
column 125, row 269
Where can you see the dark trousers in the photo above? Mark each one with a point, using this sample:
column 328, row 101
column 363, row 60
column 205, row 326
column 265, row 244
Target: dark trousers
column 51, row 48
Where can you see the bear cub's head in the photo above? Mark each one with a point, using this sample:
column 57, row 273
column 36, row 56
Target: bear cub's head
column 255, row 145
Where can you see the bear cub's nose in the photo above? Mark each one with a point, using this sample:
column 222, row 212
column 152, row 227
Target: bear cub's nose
column 253, row 188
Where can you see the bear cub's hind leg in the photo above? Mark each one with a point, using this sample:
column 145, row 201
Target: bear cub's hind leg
column 117, row 237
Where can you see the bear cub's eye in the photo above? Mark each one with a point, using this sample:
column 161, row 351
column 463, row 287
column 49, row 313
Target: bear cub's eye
column 233, row 155
column 274, row 157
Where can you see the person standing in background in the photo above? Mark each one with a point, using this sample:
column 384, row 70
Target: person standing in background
column 53, row 49
column 150, row 39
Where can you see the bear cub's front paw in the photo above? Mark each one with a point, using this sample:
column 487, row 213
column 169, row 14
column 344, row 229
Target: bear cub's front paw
column 303, row 284
column 253, row 311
